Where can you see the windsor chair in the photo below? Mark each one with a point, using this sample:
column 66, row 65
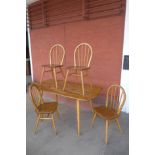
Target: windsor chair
column 44, row 110
column 115, row 99
column 56, row 58
column 82, row 58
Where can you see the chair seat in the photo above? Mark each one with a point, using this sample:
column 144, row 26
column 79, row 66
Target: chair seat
column 52, row 66
column 48, row 107
column 107, row 113
column 80, row 68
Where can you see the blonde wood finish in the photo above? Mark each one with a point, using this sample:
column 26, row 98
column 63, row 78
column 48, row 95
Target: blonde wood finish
column 56, row 58
column 82, row 58
column 55, row 79
column 93, row 120
column 115, row 100
column 42, row 74
column 83, row 55
column 44, row 110
column 118, row 124
column 71, row 91
column 82, row 82
column 91, row 106
column 65, row 79
column 106, row 131
column 37, row 123
column 53, row 124
column 58, row 113
column 78, row 117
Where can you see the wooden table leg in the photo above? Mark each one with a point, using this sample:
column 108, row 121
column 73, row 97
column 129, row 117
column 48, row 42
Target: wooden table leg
column 106, row 131
column 42, row 74
column 78, row 116
column 91, row 104
column 58, row 113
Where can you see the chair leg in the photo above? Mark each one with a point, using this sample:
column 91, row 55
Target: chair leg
column 82, row 82
column 65, row 79
column 37, row 123
column 52, row 73
column 57, row 111
column 53, row 124
column 106, row 131
column 55, row 79
column 93, row 120
column 118, row 124
column 42, row 74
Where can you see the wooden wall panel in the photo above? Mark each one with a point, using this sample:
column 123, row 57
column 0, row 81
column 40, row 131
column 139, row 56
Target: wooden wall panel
column 45, row 13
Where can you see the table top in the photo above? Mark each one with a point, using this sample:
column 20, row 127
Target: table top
column 73, row 90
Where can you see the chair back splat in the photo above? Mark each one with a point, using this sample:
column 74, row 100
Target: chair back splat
column 115, row 98
column 57, row 54
column 83, row 55
column 36, row 96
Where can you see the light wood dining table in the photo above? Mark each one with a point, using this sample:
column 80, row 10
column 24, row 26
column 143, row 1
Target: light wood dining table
column 73, row 91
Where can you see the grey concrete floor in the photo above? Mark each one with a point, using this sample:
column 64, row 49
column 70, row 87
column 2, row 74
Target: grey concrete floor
column 91, row 141
column 28, row 79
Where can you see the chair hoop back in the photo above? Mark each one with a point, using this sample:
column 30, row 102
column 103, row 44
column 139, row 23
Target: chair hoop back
column 115, row 98
column 36, row 95
column 57, row 54
column 83, row 55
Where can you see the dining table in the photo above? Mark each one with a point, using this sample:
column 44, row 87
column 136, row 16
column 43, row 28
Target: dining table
column 73, row 91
